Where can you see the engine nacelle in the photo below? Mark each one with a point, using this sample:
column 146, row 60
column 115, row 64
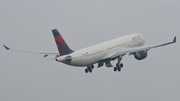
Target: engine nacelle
column 140, row 55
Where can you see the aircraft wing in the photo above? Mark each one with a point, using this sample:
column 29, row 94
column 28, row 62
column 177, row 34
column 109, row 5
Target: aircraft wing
column 34, row 52
column 131, row 51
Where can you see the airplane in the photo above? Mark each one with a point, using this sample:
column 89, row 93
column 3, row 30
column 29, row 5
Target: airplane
column 100, row 54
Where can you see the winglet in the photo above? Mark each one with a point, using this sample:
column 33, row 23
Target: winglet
column 7, row 48
column 174, row 39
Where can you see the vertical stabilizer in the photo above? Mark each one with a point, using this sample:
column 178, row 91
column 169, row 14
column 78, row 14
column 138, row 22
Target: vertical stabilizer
column 63, row 48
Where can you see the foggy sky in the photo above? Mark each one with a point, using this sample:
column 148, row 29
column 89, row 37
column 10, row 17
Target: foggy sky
column 27, row 25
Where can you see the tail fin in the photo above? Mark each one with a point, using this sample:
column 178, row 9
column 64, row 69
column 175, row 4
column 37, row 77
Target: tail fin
column 63, row 48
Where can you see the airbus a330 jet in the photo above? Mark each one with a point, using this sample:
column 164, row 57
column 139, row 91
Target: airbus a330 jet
column 102, row 53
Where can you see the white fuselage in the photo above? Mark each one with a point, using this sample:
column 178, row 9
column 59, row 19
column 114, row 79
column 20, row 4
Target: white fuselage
column 95, row 53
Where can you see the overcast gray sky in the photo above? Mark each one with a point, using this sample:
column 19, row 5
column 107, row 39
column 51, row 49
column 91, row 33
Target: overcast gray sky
column 27, row 25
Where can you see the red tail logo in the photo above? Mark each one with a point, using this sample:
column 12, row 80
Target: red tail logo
column 63, row 48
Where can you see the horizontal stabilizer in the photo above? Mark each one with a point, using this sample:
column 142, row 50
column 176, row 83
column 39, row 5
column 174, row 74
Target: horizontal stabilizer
column 7, row 48
column 45, row 53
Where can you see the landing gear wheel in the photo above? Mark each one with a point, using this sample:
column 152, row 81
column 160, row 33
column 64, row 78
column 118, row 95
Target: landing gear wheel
column 92, row 66
column 115, row 69
column 88, row 67
column 119, row 69
column 121, row 65
column 86, row 70
column 90, row 70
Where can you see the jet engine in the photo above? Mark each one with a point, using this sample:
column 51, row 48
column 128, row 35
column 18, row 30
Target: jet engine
column 140, row 55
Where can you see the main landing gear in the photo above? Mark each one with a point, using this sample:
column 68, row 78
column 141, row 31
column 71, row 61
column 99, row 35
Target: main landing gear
column 89, row 68
column 118, row 65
